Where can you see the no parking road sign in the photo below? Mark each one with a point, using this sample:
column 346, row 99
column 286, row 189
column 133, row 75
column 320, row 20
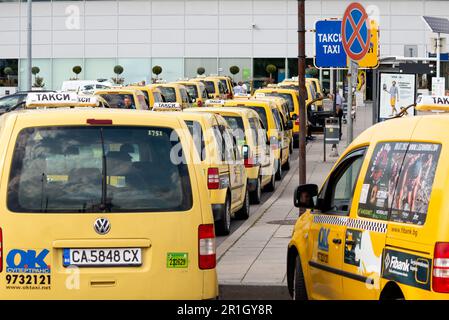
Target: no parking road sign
column 356, row 31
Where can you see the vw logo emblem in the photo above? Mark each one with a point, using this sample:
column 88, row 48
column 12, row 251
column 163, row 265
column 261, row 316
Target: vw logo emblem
column 102, row 225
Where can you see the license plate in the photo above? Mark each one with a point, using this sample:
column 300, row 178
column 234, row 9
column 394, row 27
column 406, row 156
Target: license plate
column 107, row 257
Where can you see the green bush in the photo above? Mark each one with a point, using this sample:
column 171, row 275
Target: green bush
column 234, row 70
column 200, row 71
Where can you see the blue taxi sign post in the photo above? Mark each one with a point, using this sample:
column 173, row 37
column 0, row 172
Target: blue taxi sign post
column 329, row 45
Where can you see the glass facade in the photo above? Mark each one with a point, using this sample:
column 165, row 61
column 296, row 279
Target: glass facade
column 9, row 72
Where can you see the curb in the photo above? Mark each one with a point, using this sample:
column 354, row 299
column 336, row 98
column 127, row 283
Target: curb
column 252, row 220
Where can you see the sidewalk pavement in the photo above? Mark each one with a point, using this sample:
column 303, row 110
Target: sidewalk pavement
column 252, row 260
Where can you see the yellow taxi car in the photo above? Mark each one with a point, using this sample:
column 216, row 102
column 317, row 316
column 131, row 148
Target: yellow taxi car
column 152, row 94
column 196, row 91
column 227, row 84
column 377, row 229
column 276, row 132
column 223, row 168
column 252, row 142
column 214, row 87
column 282, row 106
column 291, row 95
column 123, row 98
column 175, row 93
column 143, row 229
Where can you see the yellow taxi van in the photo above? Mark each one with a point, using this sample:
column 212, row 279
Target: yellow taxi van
column 152, row 94
column 143, row 229
column 222, row 165
column 175, row 93
column 277, row 137
column 252, row 142
column 123, row 98
column 61, row 99
column 282, row 106
column 196, row 91
column 227, row 84
column 291, row 95
column 214, row 87
column 377, row 228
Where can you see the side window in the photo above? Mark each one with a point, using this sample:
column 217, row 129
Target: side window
column 198, row 137
column 277, row 120
column 184, row 97
column 336, row 196
column 220, row 143
column 399, row 180
column 221, row 88
column 229, row 144
column 254, row 130
column 142, row 101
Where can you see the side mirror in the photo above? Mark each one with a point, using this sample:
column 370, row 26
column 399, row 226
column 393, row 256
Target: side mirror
column 304, row 195
column 210, row 95
column 289, row 125
column 294, row 116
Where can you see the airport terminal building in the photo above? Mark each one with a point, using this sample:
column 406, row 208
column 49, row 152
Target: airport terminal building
column 182, row 35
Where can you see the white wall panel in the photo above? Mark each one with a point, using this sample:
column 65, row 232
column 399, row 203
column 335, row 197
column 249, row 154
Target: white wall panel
column 167, row 7
column 134, row 8
column 236, row 22
column 167, row 50
column 201, row 22
column 101, row 50
column 101, row 36
column 101, row 22
column 68, row 37
column 167, row 22
column 68, row 51
column 235, row 36
column 134, row 36
column 235, row 7
column 202, row 7
column 201, row 36
column 101, row 8
column 270, row 7
column 167, row 36
column 134, row 22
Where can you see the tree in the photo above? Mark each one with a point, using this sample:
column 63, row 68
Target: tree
column 39, row 82
column 234, row 70
column 200, row 71
column 271, row 68
column 312, row 72
column 35, row 71
column 157, row 70
column 77, row 70
column 118, row 70
column 9, row 72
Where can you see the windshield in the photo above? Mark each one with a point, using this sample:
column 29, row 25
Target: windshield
column 210, row 87
column 168, row 93
column 238, row 128
column 192, row 90
column 157, row 97
column 98, row 169
column 262, row 114
column 10, row 101
column 119, row 100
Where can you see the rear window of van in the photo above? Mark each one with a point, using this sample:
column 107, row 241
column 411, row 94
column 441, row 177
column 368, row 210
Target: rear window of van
column 398, row 183
column 262, row 114
column 98, row 169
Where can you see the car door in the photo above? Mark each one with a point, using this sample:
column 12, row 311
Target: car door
column 327, row 233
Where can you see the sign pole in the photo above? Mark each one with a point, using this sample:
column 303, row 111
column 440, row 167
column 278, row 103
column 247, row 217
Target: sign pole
column 302, row 91
column 29, row 85
column 438, row 54
column 349, row 109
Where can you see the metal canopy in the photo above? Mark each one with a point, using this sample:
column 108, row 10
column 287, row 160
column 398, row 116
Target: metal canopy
column 436, row 24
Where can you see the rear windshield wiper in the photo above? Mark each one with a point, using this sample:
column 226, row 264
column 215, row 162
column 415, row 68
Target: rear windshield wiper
column 104, row 206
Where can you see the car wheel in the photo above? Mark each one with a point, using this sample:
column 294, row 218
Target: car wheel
column 296, row 143
column 223, row 226
column 272, row 185
column 256, row 195
column 299, row 285
column 243, row 213
column 279, row 171
column 287, row 164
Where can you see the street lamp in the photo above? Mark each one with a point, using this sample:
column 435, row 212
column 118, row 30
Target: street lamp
column 438, row 26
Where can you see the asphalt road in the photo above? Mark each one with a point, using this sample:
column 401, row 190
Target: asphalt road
column 235, row 224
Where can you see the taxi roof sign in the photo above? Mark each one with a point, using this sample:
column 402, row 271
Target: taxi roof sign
column 51, row 99
column 88, row 101
column 432, row 103
column 167, row 106
column 214, row 102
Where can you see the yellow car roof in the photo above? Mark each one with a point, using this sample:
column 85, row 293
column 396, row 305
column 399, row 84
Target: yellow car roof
column 124, row 90
column 229, row 110
column 252, row 102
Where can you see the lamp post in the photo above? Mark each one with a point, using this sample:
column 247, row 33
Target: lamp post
column 302, row 91
column 29, row 45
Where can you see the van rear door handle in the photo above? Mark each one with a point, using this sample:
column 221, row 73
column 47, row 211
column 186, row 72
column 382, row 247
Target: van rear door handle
column 351, row 242
column 336, row 241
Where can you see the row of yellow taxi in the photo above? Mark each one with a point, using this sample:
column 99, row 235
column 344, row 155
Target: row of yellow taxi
column 103, row 199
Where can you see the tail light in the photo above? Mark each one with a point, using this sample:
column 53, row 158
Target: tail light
column 206, row 246
column 200, row 103
column 213, row 178
column 297, row 122
column 99, row 121
column 440, row 279
column 1, row 250
column 248, row 160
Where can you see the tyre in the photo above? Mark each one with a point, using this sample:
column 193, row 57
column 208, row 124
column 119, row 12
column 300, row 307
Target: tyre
column 243, row 213
column 279, row 170
column 272, row 185
column 286, row 166
column 299, row 285
column 296, row 143
column 223, row 226
column 256, row 195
